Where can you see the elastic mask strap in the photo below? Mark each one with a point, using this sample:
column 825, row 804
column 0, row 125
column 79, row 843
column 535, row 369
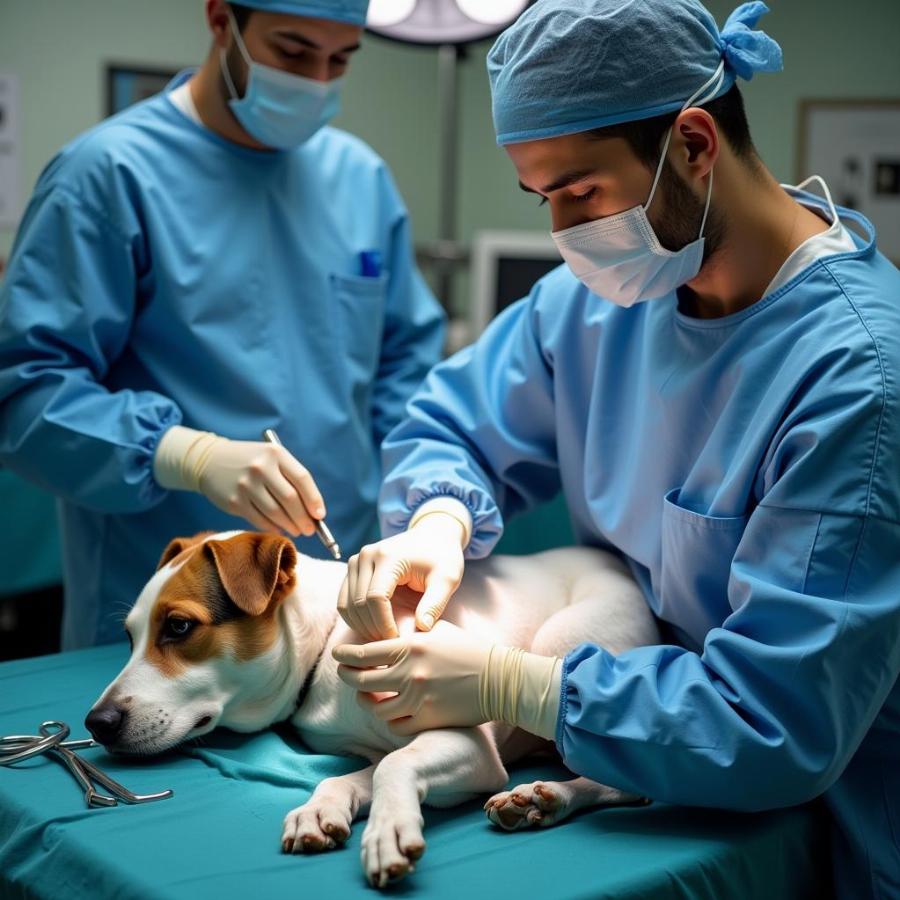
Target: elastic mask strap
column 223, row 57
column 706, row 208
column 237, row 37
column 706, row 92
column 698, row 98
column 825, row 191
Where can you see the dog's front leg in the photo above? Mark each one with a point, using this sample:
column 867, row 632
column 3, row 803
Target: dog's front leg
column 440, row 767
column 323, row 822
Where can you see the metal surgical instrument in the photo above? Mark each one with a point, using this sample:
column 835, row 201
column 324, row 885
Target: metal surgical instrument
column 52, row 739
column 322, row 530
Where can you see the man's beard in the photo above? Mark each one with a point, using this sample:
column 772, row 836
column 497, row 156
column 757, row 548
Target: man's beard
column 679, row 223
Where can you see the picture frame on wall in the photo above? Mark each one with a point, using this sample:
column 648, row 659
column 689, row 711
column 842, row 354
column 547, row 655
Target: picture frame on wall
column 854, row 144
column 127, row 84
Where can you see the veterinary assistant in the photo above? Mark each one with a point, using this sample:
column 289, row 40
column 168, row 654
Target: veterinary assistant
column 207, row 264
column 712, row 382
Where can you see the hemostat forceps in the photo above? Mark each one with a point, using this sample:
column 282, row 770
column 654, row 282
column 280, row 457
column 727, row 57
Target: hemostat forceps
column 52, row 739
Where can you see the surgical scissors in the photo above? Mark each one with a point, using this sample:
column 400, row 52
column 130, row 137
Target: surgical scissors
column 52, row 739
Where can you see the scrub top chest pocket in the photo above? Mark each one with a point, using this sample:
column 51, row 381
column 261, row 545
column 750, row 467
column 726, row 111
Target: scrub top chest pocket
column 697, row 551
column 359, row 319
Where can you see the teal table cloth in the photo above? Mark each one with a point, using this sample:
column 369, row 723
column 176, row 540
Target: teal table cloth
column 219, row 835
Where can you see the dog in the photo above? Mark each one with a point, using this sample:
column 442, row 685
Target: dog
column 232, row 630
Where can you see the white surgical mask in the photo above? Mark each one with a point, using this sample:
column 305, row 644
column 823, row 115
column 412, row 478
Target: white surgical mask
column 279, row 109
column 620, row 257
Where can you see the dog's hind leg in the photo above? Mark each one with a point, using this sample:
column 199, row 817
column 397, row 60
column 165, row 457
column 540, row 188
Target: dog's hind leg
column 607, row 609
column 544, row 803
column 323, row 822
column 439, row 767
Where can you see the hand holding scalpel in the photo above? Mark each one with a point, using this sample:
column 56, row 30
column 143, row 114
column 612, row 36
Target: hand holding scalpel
column 322, row 530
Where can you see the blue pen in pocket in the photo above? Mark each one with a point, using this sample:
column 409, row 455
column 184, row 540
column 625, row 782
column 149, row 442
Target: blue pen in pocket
column 370, row 263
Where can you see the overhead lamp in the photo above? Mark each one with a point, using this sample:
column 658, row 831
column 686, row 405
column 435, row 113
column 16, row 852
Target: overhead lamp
column 438, row 22
column 449, row 25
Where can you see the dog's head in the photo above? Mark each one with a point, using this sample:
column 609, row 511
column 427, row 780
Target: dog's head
column 206, row 643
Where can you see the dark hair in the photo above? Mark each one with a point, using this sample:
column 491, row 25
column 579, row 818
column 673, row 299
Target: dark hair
column 241, row 14
column 645, row 137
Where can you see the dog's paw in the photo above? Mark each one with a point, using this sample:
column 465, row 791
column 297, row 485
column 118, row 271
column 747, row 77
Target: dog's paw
column 315, row 826
column 541, row 803
column 391, row 844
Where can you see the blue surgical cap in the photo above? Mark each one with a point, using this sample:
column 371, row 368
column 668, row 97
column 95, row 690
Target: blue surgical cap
column 352, row 11
column 567, row 66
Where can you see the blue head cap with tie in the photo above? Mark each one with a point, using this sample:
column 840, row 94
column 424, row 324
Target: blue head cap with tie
column 567, row 66
column 352, row 11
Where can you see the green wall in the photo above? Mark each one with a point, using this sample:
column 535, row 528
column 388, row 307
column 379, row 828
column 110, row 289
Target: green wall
column 58, row 49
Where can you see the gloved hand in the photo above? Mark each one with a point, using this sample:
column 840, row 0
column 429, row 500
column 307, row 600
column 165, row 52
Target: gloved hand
column 428, row 558
column 260, row 482
column 449, row 678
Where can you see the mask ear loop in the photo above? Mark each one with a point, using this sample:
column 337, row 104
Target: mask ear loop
column 706, row 92
column 223, row 62
column 825, row 191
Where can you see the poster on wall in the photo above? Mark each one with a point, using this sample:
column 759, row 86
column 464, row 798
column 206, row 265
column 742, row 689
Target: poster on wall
column 9, row 151
column 855, row 146
column 127, row 84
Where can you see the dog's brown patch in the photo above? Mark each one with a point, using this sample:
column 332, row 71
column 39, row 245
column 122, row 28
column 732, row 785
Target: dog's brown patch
column 231, row 589
column 177, row 547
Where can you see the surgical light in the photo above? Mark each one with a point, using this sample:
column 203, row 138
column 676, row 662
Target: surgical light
column 449, row 26
column 439, row 22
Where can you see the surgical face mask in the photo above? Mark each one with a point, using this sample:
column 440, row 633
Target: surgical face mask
column 620, row 257
column 279, row 109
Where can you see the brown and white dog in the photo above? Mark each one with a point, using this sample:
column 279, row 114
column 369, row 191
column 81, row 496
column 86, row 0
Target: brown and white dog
column 225, row 633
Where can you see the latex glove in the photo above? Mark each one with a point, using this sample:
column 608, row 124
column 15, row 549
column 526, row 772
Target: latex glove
column 263, row 483
column 428, row 558
column 449, row 678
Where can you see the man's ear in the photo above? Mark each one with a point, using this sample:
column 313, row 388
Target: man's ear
column 255, row 569
column 179, row 545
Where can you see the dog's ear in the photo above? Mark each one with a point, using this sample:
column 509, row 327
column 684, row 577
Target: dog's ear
column 255, row 569
column 179, row 545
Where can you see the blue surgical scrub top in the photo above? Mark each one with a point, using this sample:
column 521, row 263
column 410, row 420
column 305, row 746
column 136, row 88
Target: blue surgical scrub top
column 164, row 275
column 747, row 468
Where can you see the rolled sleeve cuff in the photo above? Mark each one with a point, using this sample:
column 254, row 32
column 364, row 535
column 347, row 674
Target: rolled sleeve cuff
column 486, row 524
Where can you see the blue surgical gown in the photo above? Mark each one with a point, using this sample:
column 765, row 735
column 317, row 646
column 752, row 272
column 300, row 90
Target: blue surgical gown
column 163, row 275
column 747, row 468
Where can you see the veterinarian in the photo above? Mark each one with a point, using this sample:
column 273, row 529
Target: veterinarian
column 713, row 380
column 212, row 262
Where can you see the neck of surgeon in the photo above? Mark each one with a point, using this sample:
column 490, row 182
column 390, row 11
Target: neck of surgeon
column 760, row 226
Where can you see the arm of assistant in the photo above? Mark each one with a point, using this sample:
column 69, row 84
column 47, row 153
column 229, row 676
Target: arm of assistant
column 480, row 431
column 782, row 694
column 771, row 710
column 66, row 310
column 464, row 453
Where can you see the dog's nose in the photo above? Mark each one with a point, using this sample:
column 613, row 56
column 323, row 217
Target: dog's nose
column 105, row 723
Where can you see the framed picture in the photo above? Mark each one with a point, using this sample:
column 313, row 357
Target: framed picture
column 129, row 84
column 854, row 144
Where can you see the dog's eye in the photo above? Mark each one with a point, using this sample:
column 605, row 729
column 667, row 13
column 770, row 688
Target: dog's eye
column 178, row 628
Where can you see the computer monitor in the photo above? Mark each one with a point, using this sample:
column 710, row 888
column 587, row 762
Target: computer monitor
column 505, row 266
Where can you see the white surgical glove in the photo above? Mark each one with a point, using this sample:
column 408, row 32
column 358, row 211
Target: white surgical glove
column 258, row 481
column 449, row 678
column 427, row 558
